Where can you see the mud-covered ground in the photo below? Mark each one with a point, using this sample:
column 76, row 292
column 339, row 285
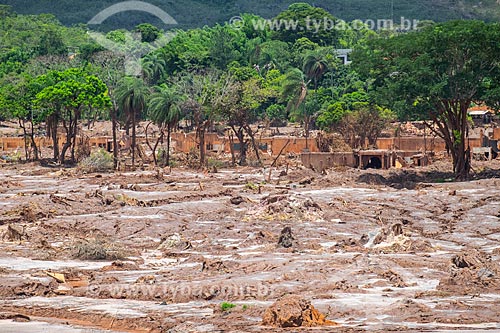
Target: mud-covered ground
column 375, row 251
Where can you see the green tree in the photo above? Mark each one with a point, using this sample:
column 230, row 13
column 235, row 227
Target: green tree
column 110, row 69
column 315, row 65
column 225, row 46
column 362, row 126
column 164, row 109
column 303, row 20
column 154, row 67
column 438, row 71
column 277, row 115
column 273, row 54
column 51, row 42
column 251, row 31
column 300, row 48
column 205, row 93
column 5, row 11
column 17, row 95
column 337, row 108
column 239, row 107
column 188, row 50
column 329, row 118
column 355, row 33
column 132, row 94
column 69, row 94
column 149, row 33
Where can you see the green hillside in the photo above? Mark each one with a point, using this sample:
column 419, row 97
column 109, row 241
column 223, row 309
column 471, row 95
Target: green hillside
column 193, row 13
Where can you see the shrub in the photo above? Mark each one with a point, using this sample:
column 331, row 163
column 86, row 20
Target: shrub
column 212, row 162
column 98, row 161
column 225, row 306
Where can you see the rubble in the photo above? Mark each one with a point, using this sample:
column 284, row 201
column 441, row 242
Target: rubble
column 286, row 206
column 471, row 272
column 393, row 239
column 176, row 242
column 237, row 200
column 374, row 257
column 394, row 278
column 286, row 238
column 294, row 311
column 14, row 233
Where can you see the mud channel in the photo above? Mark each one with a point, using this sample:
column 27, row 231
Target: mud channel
column 151, row 251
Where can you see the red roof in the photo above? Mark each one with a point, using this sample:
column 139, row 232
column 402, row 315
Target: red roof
column 479, row 108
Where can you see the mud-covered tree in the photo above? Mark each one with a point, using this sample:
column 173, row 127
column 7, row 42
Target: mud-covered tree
column 438, row 72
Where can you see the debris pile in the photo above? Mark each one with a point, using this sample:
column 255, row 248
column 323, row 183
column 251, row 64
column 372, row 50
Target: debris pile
column 286, row 238
column 372, row 179
column 174, row 242
column 394, row 278
column 394, row 239
column 411, row 129
column 471, row 271
column 412, row 311
column 28, row 213
column 237, row 200
column 28, row 287
column 345, row 286
column 294, row 311
column 285, row 207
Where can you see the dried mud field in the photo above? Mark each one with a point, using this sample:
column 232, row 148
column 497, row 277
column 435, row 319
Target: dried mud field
column 151, row 251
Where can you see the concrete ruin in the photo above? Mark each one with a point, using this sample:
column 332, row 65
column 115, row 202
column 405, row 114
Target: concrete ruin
column 364, row 159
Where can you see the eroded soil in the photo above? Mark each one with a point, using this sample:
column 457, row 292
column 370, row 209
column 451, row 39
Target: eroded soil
column 374, row 251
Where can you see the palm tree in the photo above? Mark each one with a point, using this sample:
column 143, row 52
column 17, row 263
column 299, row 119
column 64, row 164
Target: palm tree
column 131, row 94
column 164, row 109
column 295, row 92
column 314, row 66
column 154, row 67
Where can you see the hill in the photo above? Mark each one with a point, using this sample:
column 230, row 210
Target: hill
column 193, row 13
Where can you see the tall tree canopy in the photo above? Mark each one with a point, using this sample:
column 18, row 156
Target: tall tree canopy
column 438, row 72
column 303, row 20
column 132, row 94
column 66, row 96
column 164, row 109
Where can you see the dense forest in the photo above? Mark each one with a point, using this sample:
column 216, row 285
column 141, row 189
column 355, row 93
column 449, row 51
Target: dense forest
column 197, row 13
column 236, row 77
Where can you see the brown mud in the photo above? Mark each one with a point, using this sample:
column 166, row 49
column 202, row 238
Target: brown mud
column 154, row 251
